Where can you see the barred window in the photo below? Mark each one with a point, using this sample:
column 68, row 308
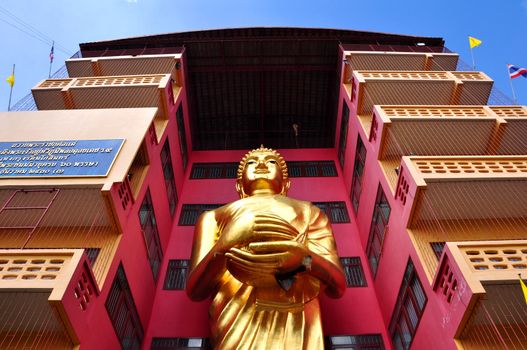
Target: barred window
column 182, row 136
column 408, row 310
column 358, row 169
column 180, row 344
column 147, row 219
column 438, row 247
column 176, row 277
column 353, row 271
column 214, row 170
column 355, row 342
column 336, row 211
column 343, row 132
column 92, row 254
column 123, row 313
column 379, row 222
column 168, row 173
column 315, row 168
column 190, row 212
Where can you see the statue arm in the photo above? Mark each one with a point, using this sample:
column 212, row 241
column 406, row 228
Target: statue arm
column 206, row 265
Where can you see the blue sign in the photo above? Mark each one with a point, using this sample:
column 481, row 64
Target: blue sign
column 58, row 158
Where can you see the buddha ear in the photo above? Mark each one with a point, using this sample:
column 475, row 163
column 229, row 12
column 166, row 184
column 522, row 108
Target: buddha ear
column 239, row 189
column 285, row 186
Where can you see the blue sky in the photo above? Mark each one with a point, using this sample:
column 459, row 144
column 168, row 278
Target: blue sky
column 502, row 28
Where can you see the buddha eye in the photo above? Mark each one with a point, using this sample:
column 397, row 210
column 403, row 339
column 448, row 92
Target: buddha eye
column 271, row 161
column 251, row 161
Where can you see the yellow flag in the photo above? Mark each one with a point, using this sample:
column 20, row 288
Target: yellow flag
column 473, row 42
column 11, row 79
column 524, row 289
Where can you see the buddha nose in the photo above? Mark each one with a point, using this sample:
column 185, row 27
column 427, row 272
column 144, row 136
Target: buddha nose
column 261, row 165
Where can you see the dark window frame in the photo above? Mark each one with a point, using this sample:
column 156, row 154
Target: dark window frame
column 147, row 220
column 123, row 314
column 344, row 124
column 168, row 174
column 189, row 213
column 180, row 121
column 409, row 309
column 354, row 342
column 378, row 230
column 176, row 275
column 353, row 271
column 337, row 212
column 358, row 172
column 180, row 343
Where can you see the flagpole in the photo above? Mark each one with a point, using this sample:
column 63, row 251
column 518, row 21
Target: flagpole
column 512, row 88
column 11, row 90
column 473, row 62
column 51, row 59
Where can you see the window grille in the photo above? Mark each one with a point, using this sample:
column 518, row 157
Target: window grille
column 123, row 313
column 438, row 247
column 355, row 342
column 408, row 310
column 336, row 211
column 180, row 344
column 343, row 132
column 358, row 170
column 190, row 212
column 214, row 170
column 176, row 277
column 379, row 223
column 353, row 271
column 182, row 136
column 168, row 173
column 147, row 219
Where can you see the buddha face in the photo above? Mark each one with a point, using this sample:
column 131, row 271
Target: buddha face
column 262, row 174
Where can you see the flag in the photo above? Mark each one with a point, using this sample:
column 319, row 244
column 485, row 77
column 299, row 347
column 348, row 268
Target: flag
column 11, row 79
column 51, row 53
column 473, row 42
column 515, row 72
column 524, row 289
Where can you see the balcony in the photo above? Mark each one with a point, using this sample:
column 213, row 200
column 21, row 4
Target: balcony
column 400, row 130
column 466, row 198
column 398, row 61
column 369, row 88
column 153, row 90
column 46, row 296
column 126, row 65
column 477, row 283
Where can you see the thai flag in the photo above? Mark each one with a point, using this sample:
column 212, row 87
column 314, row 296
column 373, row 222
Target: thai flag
column 51, row 53
column 515, row 72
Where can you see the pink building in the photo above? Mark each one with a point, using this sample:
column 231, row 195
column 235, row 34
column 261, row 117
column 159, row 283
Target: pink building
column 425, row 184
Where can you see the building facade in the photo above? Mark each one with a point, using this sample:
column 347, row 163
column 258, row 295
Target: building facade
column 424, row 181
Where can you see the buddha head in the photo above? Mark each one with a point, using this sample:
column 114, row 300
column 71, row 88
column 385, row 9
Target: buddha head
column 262, row 171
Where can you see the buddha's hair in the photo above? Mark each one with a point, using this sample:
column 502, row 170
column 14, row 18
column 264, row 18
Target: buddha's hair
column 281, row 161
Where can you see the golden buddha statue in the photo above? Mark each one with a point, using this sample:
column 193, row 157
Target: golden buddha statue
column 265, row 258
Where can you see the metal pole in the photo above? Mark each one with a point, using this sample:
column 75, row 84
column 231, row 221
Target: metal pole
column 51, row 59
column 473, row 62
column 512, row 88
column 11, row 90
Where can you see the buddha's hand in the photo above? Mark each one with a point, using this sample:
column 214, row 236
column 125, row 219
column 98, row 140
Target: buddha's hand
column 272, row 257
column 250, row 228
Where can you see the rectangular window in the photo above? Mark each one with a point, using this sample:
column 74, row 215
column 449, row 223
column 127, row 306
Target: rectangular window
column 355, row 342
column 176, row 277
column 437, row 247
column 190, row 213
column 343, row 132
column 315, row 168
column 168, row 173
column 180, row 344
column 353, row 271
column 336, row 211
column 379, row 222
column 147, row 219
column 358, row 170
column 123, row 313
column 182, row 136
column 408, row 310
column 92, row 254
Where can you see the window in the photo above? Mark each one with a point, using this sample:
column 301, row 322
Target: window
column 315, row 168
column 355, row 342
column 358, row 169
column 92, row 254
column 150, row 233
column 437, row 247
column 123, row 313
column 168, row 173
column 182, row 136
column 379, row 222
column 176, row 277
column 190, row 212
column 343, row 132
column 408, row 309
column 180, row 343
column 336, row 211
column 353, row 271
